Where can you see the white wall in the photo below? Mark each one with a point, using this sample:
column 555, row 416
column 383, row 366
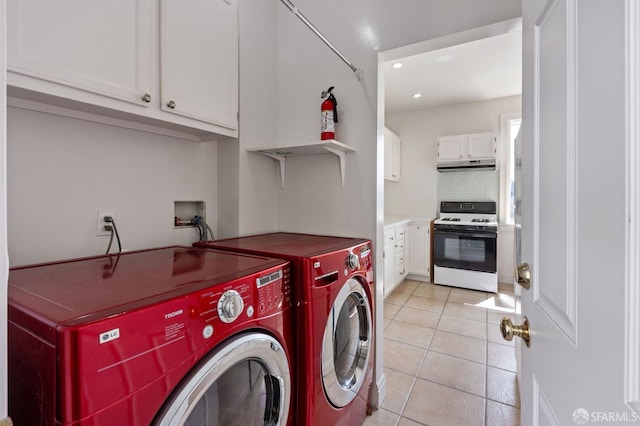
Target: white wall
column 259, row 189
column 62, row 170
column 416, row 194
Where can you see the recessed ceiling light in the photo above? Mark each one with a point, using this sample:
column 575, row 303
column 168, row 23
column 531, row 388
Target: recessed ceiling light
column 397, row 65
column 417, row 95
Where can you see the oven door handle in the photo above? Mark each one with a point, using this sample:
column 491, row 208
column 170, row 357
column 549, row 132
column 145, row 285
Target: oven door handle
column 471, row 234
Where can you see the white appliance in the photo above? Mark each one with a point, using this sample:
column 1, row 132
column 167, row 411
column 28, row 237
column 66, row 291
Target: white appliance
column 465, row 245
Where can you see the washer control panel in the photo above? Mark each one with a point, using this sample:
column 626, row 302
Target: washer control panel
column 220, row 309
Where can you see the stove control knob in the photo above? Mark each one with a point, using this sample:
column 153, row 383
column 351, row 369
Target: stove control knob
column 353, row 261
column 230, row 306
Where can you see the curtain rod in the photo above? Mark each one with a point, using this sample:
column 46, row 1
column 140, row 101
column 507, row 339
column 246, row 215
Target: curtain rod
column 312, row 27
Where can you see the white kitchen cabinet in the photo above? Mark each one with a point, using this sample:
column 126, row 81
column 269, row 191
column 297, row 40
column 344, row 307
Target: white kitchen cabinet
column 105, row 58
column 395, row 255
column 475, row 146
column 389, row 261
column 481, row 146
column 199, row 60
column 418, row 246
column 392, row 146
column 400, row 255
column 95, row 47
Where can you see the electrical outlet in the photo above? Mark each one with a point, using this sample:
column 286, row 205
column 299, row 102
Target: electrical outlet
column 100, row 232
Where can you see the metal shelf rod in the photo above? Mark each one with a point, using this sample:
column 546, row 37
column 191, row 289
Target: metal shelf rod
column 312, row 27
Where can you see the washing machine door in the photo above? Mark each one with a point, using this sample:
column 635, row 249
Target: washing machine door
column 347, row 344
column 244, row 382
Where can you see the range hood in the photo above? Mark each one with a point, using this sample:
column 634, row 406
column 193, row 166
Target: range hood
column 467, row 166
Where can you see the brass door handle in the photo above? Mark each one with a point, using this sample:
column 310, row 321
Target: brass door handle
column 523, row 275
column 509, row 330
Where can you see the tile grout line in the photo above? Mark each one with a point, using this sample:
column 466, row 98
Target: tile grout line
column 424, row 357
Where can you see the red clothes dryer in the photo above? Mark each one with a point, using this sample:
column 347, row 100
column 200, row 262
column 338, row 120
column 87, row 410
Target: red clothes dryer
column 177, row 335
column 333, row 290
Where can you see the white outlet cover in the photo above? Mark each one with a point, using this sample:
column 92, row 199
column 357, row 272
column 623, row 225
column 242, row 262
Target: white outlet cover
column 100, row 232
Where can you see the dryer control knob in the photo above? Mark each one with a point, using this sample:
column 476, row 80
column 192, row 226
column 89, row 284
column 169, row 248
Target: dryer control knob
column 230, row 306
column 353, row 261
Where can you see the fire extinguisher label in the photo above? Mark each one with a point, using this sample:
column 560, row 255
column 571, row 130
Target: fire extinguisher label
column 326, row 121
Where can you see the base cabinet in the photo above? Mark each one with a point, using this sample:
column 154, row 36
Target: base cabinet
column 407, row 252
column 389, row 261
column 395, row 262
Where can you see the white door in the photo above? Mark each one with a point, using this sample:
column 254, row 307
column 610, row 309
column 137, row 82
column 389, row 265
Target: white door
column 582, row 306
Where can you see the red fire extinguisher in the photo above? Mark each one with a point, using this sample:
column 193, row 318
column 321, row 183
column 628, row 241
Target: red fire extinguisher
column 328, row 115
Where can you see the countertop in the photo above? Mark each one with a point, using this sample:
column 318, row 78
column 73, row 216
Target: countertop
column 392, row 221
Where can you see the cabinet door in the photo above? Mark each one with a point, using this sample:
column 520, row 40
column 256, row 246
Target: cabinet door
column 388, row 154
column 451, row 148
column 418, row 245
column 481, row 146
column 389, row 261
column 100, row 47
column 395, row 157
column 199, row 60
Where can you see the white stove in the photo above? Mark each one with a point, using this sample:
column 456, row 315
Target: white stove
column 465, row 240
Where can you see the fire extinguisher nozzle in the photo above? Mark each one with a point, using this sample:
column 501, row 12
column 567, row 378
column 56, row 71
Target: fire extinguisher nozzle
column 325, row 93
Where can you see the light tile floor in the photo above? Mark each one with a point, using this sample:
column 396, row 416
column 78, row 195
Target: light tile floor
column 445, row 361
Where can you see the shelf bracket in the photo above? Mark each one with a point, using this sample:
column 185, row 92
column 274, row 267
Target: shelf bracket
column 281, row 159
column 341, row 156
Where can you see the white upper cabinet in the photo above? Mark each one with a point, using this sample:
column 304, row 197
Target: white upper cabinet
column 95, row 47
column 168, row 64
column 481, row 146
column 476, row 146
column 198, row 57
column 452, row 148
column 392, row 148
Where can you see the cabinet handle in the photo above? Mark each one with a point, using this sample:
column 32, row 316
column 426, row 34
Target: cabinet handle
column 146, row 98
column 171, row 104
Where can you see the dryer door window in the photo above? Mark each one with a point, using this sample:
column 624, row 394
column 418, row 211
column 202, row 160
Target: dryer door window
column 246, row 382
column 346, row 344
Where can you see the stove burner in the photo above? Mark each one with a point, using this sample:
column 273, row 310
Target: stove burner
column 451, row 219
column 480, row 220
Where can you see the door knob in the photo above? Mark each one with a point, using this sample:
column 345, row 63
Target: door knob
column 523, row 275
column 509, row 330
column 171, row 104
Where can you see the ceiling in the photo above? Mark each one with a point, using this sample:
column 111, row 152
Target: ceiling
column 482, row 69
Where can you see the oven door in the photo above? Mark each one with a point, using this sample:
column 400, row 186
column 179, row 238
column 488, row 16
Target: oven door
column 470, row 250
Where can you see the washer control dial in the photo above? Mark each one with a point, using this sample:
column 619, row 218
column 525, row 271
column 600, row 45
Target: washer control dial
column 353, row 261
column 230, row 306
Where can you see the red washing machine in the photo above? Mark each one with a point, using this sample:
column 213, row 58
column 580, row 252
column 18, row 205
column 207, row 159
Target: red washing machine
column 176, row 335
column 333, row 289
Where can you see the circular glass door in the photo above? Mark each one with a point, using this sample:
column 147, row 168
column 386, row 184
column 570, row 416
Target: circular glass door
column 346, row 344
column 245, row 382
